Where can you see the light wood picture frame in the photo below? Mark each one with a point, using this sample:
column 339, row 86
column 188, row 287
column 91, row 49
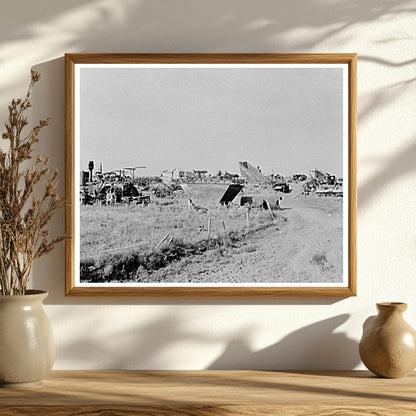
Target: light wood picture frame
column 210, row 174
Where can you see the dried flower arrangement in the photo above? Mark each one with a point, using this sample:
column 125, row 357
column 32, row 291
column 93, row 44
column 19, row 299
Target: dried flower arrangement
column 28, row 199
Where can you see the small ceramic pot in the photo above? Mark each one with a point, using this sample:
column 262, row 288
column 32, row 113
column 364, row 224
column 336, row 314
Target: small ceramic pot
column 388, row 344
column 27, row 347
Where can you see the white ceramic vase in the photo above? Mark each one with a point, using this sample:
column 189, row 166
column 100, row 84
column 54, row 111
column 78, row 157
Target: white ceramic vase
column 27, row 347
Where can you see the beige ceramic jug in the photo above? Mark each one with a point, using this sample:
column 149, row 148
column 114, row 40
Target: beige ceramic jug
column 27, row 347
column 388, row 344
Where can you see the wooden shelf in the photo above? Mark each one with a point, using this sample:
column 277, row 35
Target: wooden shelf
column 203, row 393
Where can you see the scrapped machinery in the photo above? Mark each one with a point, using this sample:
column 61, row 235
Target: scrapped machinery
column 253, row 176
column 111, row 188
column 332, row 190
column 299, row 177
column 323, row 184
column 281, row 186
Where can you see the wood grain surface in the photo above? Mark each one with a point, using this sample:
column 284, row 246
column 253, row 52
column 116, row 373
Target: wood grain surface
column 202, row 393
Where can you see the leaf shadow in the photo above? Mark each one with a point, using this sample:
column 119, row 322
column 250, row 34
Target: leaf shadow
column 313, row 347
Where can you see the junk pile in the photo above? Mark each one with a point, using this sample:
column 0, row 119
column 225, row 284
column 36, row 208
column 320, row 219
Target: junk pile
column 323, row 184
column 254, row 177
column 261, row 191
column 110, row 188
column 251, row 174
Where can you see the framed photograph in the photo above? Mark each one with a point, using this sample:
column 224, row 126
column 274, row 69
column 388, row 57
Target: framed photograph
column 211, row 174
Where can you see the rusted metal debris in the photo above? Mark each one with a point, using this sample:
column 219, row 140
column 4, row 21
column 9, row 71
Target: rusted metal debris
column 323, row 184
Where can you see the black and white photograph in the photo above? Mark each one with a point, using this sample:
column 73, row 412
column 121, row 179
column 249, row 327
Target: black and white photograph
column 211, row 174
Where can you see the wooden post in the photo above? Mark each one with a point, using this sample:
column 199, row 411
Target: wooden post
column 270, row 210
column 248, row 216
column 209, row 226
column 225, row 239
column 159, row 244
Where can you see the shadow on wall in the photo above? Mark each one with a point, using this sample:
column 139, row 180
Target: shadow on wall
column 151, row 23
column 314, row 347
column 152, row 345
column 106, row 27
column 48, row 100
column 141, row 347
column 391, row 170
column 151, row 26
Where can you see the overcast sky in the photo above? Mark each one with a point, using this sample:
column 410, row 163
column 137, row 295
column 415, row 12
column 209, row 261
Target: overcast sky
column 285, row 120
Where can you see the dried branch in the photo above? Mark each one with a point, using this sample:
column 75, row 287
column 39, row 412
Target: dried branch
column 24, row 217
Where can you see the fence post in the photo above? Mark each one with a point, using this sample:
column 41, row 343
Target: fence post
column 248, row 216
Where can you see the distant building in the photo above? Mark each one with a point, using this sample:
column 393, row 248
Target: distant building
column 184, row 175
column 168, row 176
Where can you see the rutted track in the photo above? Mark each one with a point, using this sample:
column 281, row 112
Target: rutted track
column 305, row 245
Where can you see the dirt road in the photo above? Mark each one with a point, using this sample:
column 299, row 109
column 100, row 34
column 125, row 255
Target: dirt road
column 304, row 244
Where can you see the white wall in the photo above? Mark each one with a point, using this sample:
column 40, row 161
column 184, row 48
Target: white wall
column 199, row 333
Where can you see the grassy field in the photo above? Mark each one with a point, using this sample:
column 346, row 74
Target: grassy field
column 145, row 244
column 167, row 242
